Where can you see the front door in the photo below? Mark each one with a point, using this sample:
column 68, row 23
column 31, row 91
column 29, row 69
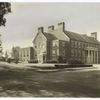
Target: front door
column 40, row 58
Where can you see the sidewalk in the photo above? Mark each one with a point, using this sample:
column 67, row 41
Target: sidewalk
column 47, row 67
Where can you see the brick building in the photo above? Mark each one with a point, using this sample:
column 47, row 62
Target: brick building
column 61, row 45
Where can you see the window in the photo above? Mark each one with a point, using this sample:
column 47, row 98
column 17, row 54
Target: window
column 79, row 44
column 76, row 52
column 72, row 43
column 57, row 51
column 83, row 53
column 54, row 52
column 86, row 44
column 63, row 52
column 35, row 55
column 75, row 44
column 35, row 46
column 54, row 43
column 72, row 52
column 79, row 53
column 63, row 44
column 43, row 46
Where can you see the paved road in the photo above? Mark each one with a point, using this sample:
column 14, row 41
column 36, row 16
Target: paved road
column 27, row 82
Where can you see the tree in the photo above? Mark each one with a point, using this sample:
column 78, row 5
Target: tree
column 5, row 8
column 6, row 55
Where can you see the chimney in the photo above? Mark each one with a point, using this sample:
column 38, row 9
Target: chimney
column 94, row 35
column 50, row 28
column 61, row 26
column 40, row 30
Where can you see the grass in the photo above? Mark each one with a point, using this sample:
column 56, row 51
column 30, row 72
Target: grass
column 29, row 83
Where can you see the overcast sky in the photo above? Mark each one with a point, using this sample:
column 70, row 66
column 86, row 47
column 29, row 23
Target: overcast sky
column 25, row 18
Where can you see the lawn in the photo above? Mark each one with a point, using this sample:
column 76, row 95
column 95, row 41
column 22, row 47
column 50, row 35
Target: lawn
column 30, row 83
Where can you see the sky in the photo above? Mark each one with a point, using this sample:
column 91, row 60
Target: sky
column 23, row 22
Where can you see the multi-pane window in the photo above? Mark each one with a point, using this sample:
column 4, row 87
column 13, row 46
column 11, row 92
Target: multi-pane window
column 63, row 44
column 75, row 44
column 35, row 46
column 79, row 45
column 54, row 44
column 76, row 52
column 54, row 52
column 86, row 44
column 57, row 51
column 79, row 53
column 63, row 52
column 72, row 52
column 72, row 43
column 83, row 53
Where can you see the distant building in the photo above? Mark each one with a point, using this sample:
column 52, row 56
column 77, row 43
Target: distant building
column 60, row 45
column 15, row 53
column 26, row 54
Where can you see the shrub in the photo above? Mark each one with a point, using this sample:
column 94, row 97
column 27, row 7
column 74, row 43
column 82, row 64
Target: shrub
column 33, row 61
column 9, row 60
column 2, row 59
column 75, row 61
column 51, row 61
column 61, row 59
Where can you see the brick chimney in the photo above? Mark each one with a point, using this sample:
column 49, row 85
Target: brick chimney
column 51, row 28
column 94, row 35
column 40, row 30
column 61, row 26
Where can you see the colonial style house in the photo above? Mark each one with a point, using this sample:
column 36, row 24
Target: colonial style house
column 61, row 45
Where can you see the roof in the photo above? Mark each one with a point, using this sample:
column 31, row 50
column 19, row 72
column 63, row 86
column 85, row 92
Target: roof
column 49, row 36
column 80, row 37
column 71, row 35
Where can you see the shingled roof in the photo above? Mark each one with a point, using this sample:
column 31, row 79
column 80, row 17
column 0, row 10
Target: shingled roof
column 80, row 37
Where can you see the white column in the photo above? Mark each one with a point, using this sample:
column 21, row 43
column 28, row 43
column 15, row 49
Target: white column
column 97, row 57
column 88, row 57
column 91, row 57
column 94, row 57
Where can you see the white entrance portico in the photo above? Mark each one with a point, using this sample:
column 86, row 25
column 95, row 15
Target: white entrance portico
column 91, row 55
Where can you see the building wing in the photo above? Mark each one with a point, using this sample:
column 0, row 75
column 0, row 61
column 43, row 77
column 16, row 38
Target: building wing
column 81, row 37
